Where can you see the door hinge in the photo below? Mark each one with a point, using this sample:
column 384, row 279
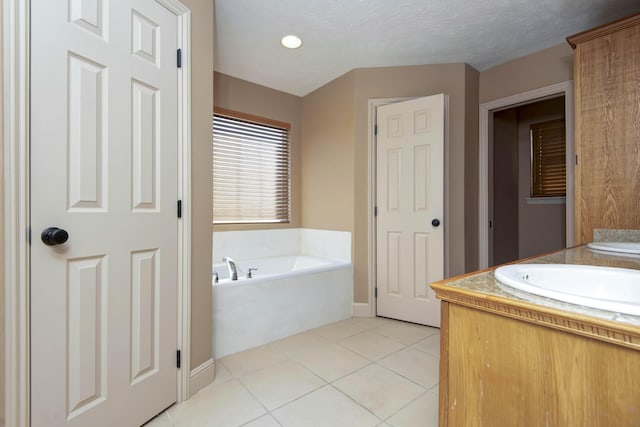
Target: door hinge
column 178, row 361
column 179, row 58
column 375, row 211
column 179, row 208
column 490, row 224
column 375, row 129
column 576, row 160
column 375, row 292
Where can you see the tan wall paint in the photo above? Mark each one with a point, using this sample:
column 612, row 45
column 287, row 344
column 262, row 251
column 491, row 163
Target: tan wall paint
column 202, row 29
column 2, row 348
column 246, row 97
column 335, row 165
column 471, row 153
column 327, row 156
column 412, row 81
column 539, row 69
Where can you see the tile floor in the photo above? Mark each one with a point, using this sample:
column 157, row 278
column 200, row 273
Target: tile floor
column 357, row 372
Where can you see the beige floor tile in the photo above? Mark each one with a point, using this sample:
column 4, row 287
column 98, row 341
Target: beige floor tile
column 372, row 322
column 247, row 361
column 339, row 330
column 301, row 343
column 414, row 365
column 370, row 345
column 222, row 374
column 422, row 412
column 326, row 407
column 405, row 333
column 263, row 421
column 331, row 361
column 429, row 345
column 379, row 390
column 161, row 420
column 279, row 384
column 219, row 405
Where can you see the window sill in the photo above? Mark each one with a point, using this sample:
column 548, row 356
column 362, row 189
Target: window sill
column 546, row 200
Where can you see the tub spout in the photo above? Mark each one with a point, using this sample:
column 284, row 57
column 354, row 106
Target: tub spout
column 231, row 265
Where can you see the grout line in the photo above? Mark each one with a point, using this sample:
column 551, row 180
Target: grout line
column 356, row 402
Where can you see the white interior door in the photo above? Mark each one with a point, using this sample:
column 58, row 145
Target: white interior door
column 410, row 208
column 104, row 153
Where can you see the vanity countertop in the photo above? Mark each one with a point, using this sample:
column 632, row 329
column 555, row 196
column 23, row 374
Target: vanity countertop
column 482, row 291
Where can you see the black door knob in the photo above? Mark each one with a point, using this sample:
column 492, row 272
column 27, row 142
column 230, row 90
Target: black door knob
column 435, row 222
column 54, row 236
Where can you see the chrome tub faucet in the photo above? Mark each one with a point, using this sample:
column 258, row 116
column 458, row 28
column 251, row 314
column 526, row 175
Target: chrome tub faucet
column 231, row 266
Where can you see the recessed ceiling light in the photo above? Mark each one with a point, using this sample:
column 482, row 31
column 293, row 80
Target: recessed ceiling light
column 291, row 41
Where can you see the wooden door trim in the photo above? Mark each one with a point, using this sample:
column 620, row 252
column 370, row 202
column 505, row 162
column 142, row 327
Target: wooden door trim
column 16, row 198
column 535, row 95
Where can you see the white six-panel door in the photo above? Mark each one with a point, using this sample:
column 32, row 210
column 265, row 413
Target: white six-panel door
column 409, row 196
column 104, row 167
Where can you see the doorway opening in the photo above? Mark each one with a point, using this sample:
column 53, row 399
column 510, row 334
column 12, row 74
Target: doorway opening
column 523, row 223
column 517, row 220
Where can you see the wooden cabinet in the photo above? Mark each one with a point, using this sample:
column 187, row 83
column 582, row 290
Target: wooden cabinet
column 607, row 127
column 503, row 365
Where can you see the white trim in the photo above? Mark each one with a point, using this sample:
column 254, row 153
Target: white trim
column 183, row 14
column 361, row 309
column 201, row 377
column 545, row 200
column 15, row 63
column 486, row 109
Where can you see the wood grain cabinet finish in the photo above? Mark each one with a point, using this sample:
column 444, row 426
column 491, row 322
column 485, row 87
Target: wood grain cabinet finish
column 501, row 371
column 607, row 127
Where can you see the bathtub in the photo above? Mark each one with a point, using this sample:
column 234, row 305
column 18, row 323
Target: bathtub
column 286, row 295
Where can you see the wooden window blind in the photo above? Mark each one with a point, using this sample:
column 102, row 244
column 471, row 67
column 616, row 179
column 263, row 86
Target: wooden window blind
column 548, row 159
column 250, row 169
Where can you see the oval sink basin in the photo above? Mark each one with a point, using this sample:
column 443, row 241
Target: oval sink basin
column 616, row 247
column 607, row 288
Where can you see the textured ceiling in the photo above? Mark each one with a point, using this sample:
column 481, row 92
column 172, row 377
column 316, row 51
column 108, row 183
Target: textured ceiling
column 340, row 35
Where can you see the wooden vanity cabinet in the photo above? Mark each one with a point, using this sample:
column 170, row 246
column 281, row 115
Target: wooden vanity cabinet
column 607, row 127
column 503, row 365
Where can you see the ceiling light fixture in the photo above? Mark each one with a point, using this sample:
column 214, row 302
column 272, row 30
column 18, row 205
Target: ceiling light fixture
column 291, row 41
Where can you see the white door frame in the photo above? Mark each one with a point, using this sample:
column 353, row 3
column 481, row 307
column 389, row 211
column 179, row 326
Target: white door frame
column 16, row 95
column 370, row 309
column 486, row 110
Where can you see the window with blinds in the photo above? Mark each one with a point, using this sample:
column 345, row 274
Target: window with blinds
column 548, row 159
column 250, row 169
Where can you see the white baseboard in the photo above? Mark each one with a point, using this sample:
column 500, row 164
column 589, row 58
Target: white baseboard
column 361, row 309
column 201, row 377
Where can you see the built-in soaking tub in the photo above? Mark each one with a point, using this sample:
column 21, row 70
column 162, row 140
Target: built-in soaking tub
column 286, row 295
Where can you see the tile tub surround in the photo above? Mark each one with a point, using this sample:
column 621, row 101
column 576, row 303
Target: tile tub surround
column 609, row 235
column 252, row 244
column 314, row 379
column 481, row 289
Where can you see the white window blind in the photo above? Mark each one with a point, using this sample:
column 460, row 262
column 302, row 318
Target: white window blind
column 250, row 171
column 548, row 159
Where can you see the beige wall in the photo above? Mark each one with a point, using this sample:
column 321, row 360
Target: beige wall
column 539, row 69
column 413, row 81
column 246, row 97
column 327, row 156
column 542, row 228
column 471, row 153
column 202, row 28
column 505, row 187
column 2, row 353
column 335, row 152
